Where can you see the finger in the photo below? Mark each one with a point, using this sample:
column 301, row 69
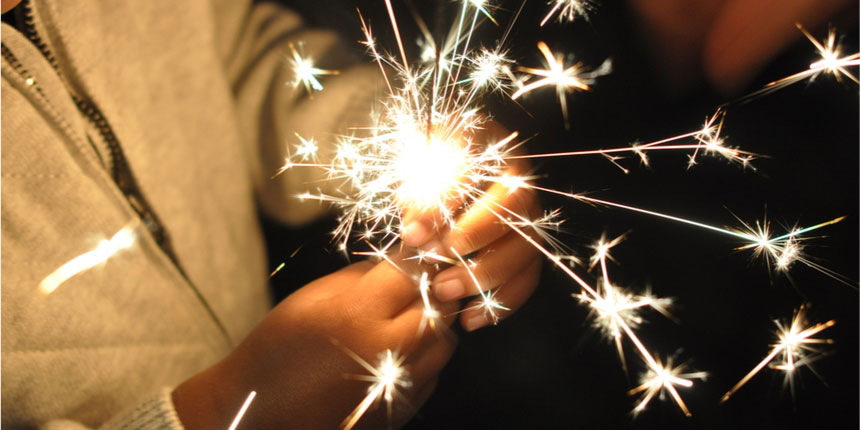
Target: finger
column 391, row 285
column 485, row 221
column 421, row 225
column 511, row 295
column 337, row 282
column 416, row 326
column 497, row 263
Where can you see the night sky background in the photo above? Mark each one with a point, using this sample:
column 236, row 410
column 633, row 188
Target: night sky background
column 546, row 366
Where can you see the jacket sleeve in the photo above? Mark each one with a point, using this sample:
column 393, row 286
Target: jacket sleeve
column 155, row 413
column 272, row 111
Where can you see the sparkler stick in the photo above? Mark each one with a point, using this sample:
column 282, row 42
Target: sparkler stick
column 795, row 345
column 106, row 249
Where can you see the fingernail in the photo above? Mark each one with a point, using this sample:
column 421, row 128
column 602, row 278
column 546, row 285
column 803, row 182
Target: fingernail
column 414, row 233
column 476, row 322
column 449, row 290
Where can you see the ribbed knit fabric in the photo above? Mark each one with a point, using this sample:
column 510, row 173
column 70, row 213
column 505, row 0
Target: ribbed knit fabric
column 155, row 413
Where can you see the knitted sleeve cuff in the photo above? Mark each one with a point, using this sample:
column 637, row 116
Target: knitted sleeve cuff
column 155, row 413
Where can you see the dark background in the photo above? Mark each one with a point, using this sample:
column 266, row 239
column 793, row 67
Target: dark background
column 546, row 367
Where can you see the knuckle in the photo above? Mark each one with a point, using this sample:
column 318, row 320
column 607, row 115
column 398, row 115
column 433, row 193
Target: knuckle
column 488, row 278
column 465, row 241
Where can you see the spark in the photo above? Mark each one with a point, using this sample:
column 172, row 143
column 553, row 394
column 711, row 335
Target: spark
column 783, row 250
column 386, row 379
column 488, row 302
column 612, row 307
column 242, row 410
column 426, row 151
column 707, row 140
column 277, row 269
column 565, row 79
column 306, row 73
column 123, row 239
column 307, row 149
column 795, row 348
column 830, row 63
column 568, row 10
column 664, row 378
column 491, row 69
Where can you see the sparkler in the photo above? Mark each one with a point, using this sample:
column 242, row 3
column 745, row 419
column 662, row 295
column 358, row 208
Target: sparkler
column 425, row 152
column 796, row 347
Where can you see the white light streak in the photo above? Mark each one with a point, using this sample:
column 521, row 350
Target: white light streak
column 106, row 249
column 242, row 410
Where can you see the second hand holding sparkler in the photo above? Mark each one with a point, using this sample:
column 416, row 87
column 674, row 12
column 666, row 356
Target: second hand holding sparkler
column 505, row 271
column 303, row 379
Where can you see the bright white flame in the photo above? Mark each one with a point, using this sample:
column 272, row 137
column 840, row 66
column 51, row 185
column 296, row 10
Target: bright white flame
column 428, row 169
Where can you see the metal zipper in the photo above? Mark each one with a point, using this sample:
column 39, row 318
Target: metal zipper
column 120, row 171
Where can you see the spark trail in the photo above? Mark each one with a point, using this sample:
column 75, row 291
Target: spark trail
column 427, row 150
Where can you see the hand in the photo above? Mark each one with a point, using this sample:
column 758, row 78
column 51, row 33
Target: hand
column 728, row 40
column 506, row 262
column 299, row 372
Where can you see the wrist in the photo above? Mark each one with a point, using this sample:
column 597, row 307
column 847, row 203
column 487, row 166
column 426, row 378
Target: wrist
column 202, row 401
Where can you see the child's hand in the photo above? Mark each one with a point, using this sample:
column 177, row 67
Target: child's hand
column 506, row 262
column 301, row 376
